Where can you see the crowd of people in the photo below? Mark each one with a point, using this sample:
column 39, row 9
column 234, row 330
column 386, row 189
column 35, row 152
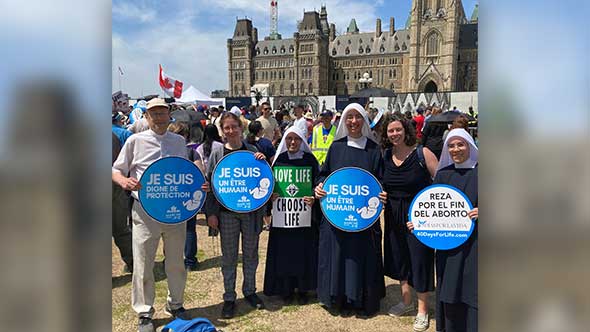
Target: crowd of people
column 347, row 270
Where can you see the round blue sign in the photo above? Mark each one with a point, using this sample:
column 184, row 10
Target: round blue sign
column 440, row 217
column 352, row 202
column 241, row 183
column 171, row 190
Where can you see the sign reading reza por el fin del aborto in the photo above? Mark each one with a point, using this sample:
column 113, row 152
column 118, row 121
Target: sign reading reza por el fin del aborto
column 292, row 184
column 440, row 217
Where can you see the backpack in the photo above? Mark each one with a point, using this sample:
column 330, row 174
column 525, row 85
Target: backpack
column 422, row 159
column 193, row 325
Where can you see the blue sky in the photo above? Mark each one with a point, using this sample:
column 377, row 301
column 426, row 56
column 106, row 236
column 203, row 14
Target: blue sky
column 189, row 37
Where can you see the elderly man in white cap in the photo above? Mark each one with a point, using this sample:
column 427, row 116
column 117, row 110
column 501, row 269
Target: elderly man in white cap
column 141, row 150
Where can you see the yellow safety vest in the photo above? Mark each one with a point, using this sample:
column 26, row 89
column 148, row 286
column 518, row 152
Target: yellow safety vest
column 321, row 143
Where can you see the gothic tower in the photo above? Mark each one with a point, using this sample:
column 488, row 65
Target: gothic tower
column 434, row 26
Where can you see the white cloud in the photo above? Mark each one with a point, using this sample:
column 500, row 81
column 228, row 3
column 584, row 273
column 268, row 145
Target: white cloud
column 195, row 57
column 199, row 57
column 133, row 12
column 340, row 12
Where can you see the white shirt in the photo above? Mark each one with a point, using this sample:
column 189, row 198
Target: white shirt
column 142, row 149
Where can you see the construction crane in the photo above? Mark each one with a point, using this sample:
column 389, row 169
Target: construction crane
column 274, row 20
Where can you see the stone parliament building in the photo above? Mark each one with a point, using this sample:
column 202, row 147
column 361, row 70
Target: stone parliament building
column 435, row 52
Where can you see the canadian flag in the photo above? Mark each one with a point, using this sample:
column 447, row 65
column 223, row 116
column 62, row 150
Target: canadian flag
column 171, row 86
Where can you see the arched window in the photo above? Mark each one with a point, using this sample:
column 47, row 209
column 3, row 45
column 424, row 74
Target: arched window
column 281, row 90
column 301, row 89
column 432, row 43
column 394, row 73
column 236, row 91
column 368, row 50
column 291, row 49
column 265, row 50
column 361, row 50
column 356, row 87
column 256, row 75
column 274, row 50
column 257, row 51
column 310, row 88
column 334, row 51
column 396, row 48
column 382, row 49
column 282, row 49
column 390, row 73
column 272, row 90
column 243, row 91
column 347, row 51
column 404, row 47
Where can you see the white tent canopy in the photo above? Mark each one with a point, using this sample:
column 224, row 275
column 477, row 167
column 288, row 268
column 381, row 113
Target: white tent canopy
column 194, row 96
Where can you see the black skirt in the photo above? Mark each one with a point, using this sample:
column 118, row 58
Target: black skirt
column 405, row 257
column 291, row 261
column 350, row 268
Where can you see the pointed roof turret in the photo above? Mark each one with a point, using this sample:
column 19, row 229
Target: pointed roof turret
column 475, row 14
column 352, row 27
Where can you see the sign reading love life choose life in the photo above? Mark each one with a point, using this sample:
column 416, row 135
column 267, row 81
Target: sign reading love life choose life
column 292, row 184
column 241, row 183
column 352, row 202
column 440, row 217
column 171, row 190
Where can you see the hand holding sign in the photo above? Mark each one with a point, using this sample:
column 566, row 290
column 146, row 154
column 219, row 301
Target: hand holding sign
column 131, row 184
column 319, row 191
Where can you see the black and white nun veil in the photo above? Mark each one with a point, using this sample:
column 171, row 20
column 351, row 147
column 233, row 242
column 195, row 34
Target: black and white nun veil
column 445, row 157
column 342, row 130
column 283, row 145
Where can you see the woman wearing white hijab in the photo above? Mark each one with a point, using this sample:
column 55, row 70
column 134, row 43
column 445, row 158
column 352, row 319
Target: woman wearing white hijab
column 456, row 269
column 350, row 265
column 291, row 260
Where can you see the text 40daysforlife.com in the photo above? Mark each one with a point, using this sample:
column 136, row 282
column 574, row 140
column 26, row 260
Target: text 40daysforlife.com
column 437, row 234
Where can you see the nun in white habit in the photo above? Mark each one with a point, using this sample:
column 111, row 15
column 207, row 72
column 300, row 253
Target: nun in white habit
column 350, row 265
column 291, row 260
column 456, row 269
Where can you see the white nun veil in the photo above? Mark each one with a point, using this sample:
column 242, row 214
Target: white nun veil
column 445, row 156
column 342, row 131
column 283, row 145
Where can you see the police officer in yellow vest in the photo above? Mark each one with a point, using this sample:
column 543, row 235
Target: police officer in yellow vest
column 323, row 136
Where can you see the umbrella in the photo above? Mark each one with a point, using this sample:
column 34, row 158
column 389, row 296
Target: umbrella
column 448, row 117
column 373, row 92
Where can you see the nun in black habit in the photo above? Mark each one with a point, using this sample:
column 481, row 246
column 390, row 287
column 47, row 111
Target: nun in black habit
column 350, row 264
column 456, row 269
column 291, row 260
